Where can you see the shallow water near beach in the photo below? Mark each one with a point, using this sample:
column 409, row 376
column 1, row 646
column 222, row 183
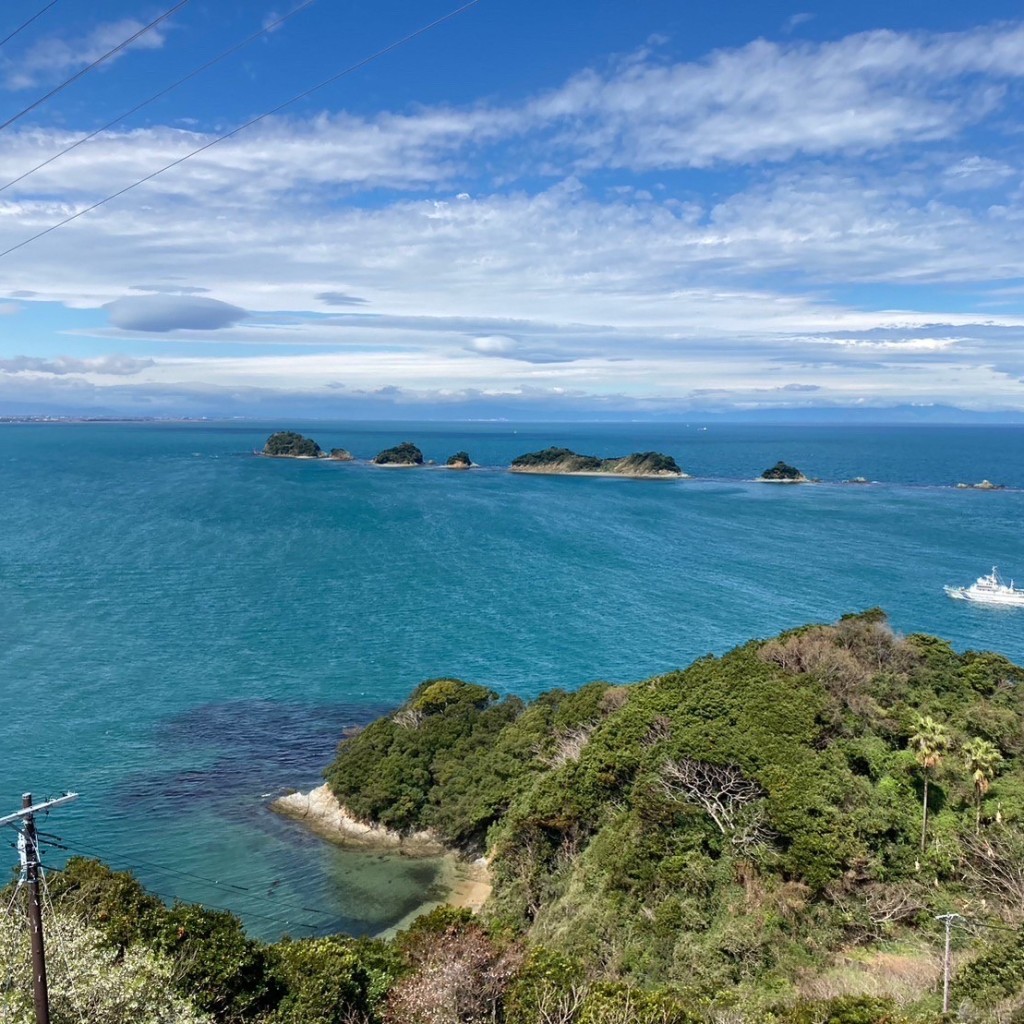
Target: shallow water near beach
column 187, row 629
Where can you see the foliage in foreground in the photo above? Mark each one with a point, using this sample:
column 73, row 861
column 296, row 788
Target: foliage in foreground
column 90, row 979
column 763, row 838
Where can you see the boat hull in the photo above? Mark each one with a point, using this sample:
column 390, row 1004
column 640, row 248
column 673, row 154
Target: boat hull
column 1014, row 600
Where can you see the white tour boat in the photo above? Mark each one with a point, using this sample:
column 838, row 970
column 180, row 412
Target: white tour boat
column 988, row 589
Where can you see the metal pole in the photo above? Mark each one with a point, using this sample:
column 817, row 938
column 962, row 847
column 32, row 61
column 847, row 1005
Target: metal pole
column 950, row 920
column 40, row 994
column 945, row 966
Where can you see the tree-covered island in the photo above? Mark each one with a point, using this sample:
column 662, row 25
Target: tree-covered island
column 782, row 472
column 566, row 462
column 460, row 460
column 287, row 444
column 404, row 454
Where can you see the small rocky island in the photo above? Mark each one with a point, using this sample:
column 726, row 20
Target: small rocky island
column 341, row 455
column 984, row 485
column 460, row 460
column 404, row 454
column 566, row 462
column 286, row 444
column 783, row 473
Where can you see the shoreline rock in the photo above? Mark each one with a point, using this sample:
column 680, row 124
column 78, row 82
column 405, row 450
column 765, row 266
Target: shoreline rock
column 320, row 811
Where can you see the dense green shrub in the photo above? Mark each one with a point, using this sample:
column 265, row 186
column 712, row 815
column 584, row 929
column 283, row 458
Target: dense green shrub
column 222, row 970
column 323, row 981
column 847, row 1010
column 433, row 764
column 624, row 1004
column 113, row 902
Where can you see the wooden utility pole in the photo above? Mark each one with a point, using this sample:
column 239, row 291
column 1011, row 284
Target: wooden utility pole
column 949, row 919
column 29, row 846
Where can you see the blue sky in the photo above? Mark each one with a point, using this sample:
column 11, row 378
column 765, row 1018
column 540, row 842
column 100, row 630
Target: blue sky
column 533, row 210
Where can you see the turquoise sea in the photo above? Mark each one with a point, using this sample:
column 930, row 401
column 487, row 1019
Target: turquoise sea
column 186, row 629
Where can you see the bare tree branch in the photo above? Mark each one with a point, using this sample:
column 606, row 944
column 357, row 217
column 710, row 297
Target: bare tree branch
column 721, row 790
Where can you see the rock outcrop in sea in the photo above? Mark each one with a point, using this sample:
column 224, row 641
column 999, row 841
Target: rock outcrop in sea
column 404, row 454
column 566, row 462
column 460, row 460
column 984, row 485
column 340, row 455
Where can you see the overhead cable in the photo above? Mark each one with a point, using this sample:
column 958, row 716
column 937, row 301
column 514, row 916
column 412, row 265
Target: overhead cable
column 214, row 882
column 163, row 92
column 99, row 60
column 25, row 24
column 248, row 124
column 176, row 899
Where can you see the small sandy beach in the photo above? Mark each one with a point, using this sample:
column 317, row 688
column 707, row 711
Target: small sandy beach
column 468, row 882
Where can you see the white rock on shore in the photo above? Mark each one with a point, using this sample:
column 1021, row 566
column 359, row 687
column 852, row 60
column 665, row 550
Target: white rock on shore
column 468, row 884
column 319, row 810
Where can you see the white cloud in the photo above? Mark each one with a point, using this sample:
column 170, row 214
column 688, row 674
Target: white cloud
column 54, row 57
column 62, row 366
column 642, row 289
column 772, row 101
column 764, row 101
column 978, row 172
column 796, row 20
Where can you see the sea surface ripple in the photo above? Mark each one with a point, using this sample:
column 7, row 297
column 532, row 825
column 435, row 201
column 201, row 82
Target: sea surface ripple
column 187, row 629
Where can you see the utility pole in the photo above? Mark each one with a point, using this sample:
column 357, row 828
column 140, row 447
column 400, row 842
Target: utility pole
column 949, row 920
column 28, row 845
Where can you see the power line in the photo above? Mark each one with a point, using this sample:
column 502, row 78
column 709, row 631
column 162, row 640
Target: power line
column 99, row 60
column 248, row 124
column 25, row 24
column 209, row 906
column 163, row 92
column 217, row 883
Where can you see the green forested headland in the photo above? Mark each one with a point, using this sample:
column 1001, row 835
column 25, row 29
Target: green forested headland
column 767, row 836
column 736, row 831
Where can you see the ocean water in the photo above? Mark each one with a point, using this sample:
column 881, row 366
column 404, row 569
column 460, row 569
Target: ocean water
column 186, row 629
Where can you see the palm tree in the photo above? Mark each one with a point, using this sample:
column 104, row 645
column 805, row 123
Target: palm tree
column 982, row 759
column 930, row 742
